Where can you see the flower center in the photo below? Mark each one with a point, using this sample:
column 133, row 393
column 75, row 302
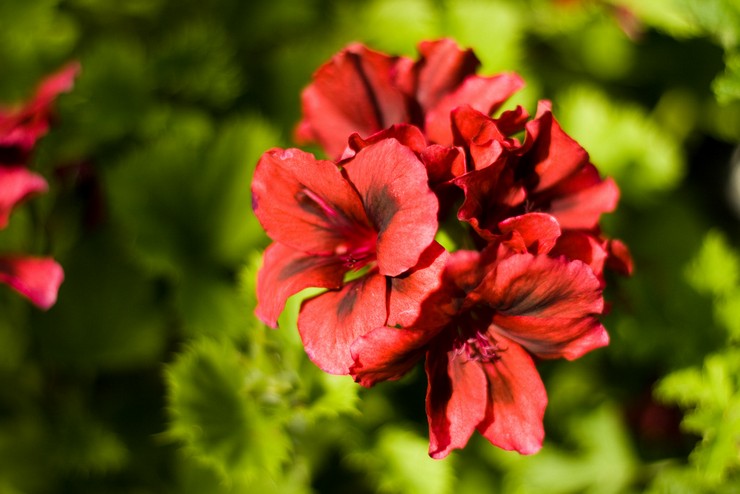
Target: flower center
column 480, row 347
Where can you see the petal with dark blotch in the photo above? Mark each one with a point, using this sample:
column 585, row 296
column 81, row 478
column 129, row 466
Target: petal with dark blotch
column 330, row 323
column 533, row 232
column 443, row 163
column 353, row 92
column 387, row 354
column 441, row 68
column 307, row 204
column 547, row 305
column 285, row 272
column 392, row 183
column 415, row 297
column 554, row 337
column 517, row 400
column 16, row 184
column 582, row 209
column 37, row 278
column 484, row 94
column 457, row 398
column 552, row 155
column 490, row 193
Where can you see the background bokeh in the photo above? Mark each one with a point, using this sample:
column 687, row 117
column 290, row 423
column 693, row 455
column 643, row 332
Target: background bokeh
column 151, row 375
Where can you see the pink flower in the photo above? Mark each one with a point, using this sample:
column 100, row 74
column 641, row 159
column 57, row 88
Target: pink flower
column 478, row 331
column 372, row 214
column 363, row 91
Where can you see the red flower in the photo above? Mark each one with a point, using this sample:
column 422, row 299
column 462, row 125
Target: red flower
column 36, row 278
column 549, row 172
column 374, row 211
column 363, row 91
column 477, row 331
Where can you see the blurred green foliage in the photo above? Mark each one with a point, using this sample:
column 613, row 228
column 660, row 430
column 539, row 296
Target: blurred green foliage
column 151, row 375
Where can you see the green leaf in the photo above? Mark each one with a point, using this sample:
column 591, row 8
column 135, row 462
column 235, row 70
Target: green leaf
column 602, row 460
column 716, row 268
column 399, row 463
column 219, row 415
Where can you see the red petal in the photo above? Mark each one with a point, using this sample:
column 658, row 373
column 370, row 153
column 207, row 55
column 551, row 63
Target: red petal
column 443, row 163
column 583, row 247
column 36, row 278
column 515, row 389
column 329, row 323
column 441, row 69
column 546, row 305
column 307, row 204
column 552, row 154
column 579, row 202
column 533, row 232
column 410, row 293
column 484, row 94
column 490, row 195
column 619, row 258
column 285, row 272
column 16, row 184
column 23, row 127
column 406, row 134
column 403, row 210
column 457, row 398
column 353, row 92
column 387, row 354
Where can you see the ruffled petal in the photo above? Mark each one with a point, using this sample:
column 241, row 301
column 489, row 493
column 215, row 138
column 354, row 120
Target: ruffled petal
column 285, row 272
column 532, row 232
column 547, row 305
column 387, row 354
column 329, row 323
column 484, row 94
column 551, row 153
column 457, row 398
column 514, row 420
column 37, row 278
column 582, row 246
column 580, row 200
column 16, row 184
column 441, row 68
column 392, row 183
column 307, row 204
column 353, row 92
column 415, row 294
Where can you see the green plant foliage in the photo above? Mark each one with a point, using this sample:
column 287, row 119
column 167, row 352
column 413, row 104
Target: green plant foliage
column 710, row 394
column 151, row 374
column 647, row 160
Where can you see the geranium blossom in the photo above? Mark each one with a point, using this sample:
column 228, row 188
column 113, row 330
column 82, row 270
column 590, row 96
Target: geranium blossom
column 373, row 212
column 479, row 328
column 364, row 91
column 37, row 278
column 416, row 142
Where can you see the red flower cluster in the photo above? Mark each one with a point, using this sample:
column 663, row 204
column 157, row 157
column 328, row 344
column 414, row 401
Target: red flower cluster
column 414, row 150
column 37, row 278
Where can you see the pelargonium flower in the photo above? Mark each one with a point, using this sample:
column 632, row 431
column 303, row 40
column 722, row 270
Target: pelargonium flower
column 364, row 91
column 37, row 278
column 479, row 330
column 371, row 216
column 548, row 172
